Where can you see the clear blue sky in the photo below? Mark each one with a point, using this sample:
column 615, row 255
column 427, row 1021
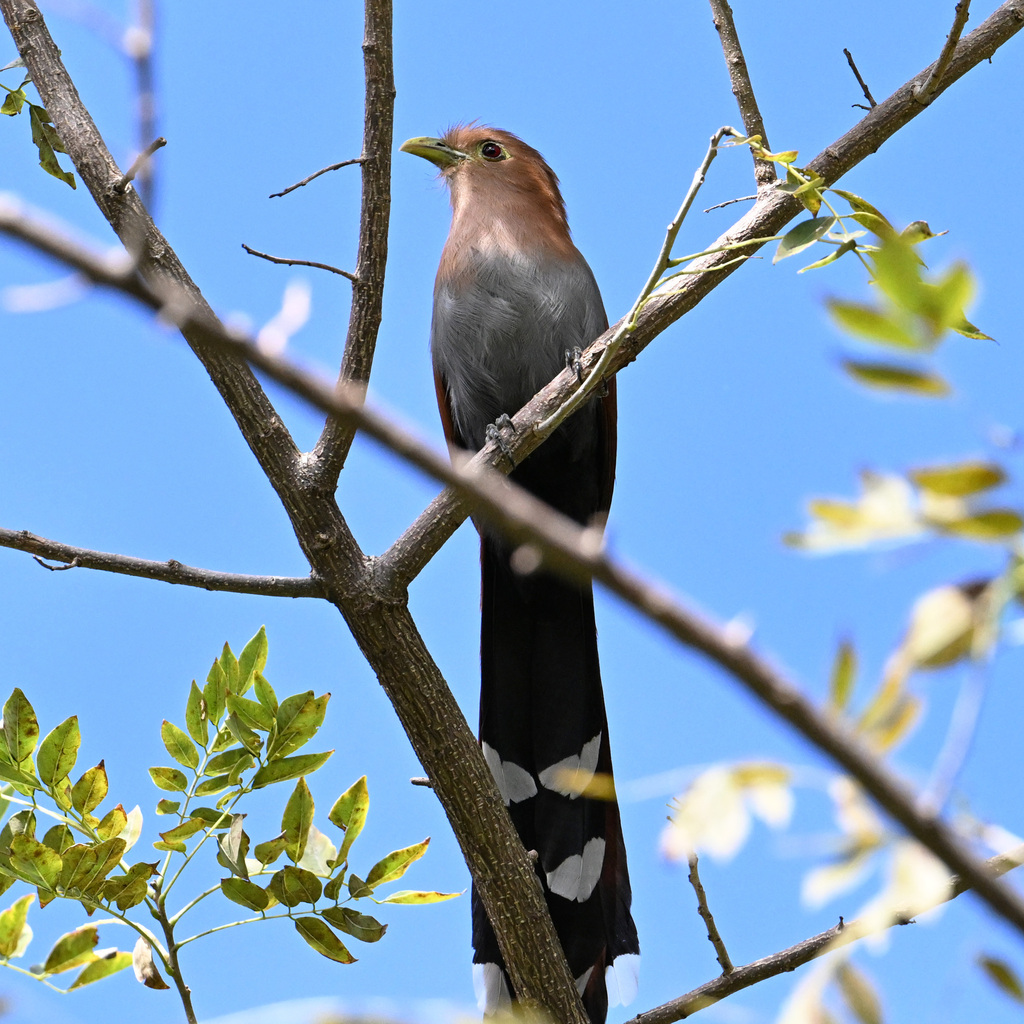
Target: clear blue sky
column 114, row 439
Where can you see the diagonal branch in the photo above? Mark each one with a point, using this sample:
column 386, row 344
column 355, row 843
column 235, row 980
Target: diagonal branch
column 171, row 571
column 924, row 94
column 742, row 88
column 803, row 952
column 368, row 289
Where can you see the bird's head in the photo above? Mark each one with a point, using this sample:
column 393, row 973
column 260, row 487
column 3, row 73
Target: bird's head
column 490, row 169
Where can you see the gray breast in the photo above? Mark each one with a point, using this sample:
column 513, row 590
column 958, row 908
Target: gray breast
column 499, row 335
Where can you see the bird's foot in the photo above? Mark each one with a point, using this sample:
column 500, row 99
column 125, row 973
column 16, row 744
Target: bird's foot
column 494, row 433
column 574, row 362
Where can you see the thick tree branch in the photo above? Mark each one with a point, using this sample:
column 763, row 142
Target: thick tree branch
column 803, row 952
column 170, row 571
column 742, row 88
column 368, row 294
column 566, row 548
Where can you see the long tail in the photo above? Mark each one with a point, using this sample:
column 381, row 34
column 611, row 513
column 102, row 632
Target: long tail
column 543, row 731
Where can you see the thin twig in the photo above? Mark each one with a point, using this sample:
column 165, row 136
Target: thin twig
column 860, row 80
column 139, row 42
column 729, row 202
column 421, row 780
column 926, row 93
column 315, row 174
column 170, row 571
column 742, row 89
column 842, row 934
column 138, row 164
column 721, row 953
column 298, row 263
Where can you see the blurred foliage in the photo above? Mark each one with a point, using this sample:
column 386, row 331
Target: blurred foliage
column 230, row 746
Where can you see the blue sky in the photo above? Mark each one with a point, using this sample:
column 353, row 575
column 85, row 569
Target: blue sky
column 115, row 440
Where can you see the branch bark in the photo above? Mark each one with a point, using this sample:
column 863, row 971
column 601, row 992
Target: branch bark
column 171, row 571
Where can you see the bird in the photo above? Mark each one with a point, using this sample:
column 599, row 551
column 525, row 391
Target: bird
column 513, row 299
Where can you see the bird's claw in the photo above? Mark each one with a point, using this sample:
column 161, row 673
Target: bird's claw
column 574, row 362
column 494, row 434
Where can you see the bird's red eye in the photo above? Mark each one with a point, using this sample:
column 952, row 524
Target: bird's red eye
column 492, row 151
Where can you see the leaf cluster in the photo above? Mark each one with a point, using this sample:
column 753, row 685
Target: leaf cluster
column 44, row 135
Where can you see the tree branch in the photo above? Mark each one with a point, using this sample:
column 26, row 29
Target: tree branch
column 367, row 296
column 742, row 88
column 803, row 952
column 298, row 263
column 924, row 94
column 860, row 81
column 170, row 571
column 721, row 953
column 315, row 174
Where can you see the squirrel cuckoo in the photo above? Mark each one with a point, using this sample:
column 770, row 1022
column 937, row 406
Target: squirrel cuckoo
column 513, row 298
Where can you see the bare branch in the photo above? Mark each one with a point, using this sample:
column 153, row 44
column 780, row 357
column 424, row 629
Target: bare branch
column 861, row 82
column 138, row 164
column 171, row 571
column 924, row 94
column 298, row 263
column 742, row 89
column 367, row 296
column 729, row 202
column 803, row 952
column 721, row 953
column 138, row 44
column 315, row 174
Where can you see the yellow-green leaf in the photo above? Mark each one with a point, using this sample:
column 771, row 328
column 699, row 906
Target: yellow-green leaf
column 319, row 935
column 416, row 897
column 873, row 324
column 58, row 752
column 349, row 814
column 844, row 675
column 71, row 950
column 888, row 377
column 395, row 864
column 101, row 968
column 1003, row 975
column 959, row 479
column 12, row 922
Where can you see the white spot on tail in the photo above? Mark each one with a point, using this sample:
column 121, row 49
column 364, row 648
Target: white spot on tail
column 622, row 979
column 578, row 769
column 490, row 987
column 514, row 783
column 581, row 981
column 577, row 875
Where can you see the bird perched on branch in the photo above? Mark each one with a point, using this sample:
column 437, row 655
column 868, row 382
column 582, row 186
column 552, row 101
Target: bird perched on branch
column 512, row 301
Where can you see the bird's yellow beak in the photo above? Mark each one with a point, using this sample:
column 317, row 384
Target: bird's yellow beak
column 435, row 151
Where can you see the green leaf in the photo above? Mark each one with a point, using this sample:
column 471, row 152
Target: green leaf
column 113, row 824
column 130, row 889
column 959, row 479
column 265, row 693
column 21, row 728
column 968, row 330
column 251, row 712
column 289, row 768
column 323, row 940
column 862, row 206
column 86, row 867
column 171, row 780
column 395, row 864
column 167, row 806
column 91, row 789
column 186, row 830
column 266, row 853
column 234, row 845
column 178, row 745
column 803, row 236
column 215, row 693
column 58, row 752
column 417, row 897
column 243, row 733
column 871, row 324
column 888, row 377
column 298, row 719
column 245, row 893
column 213, row 819
column 12, row 923
column 102, row 968
column 995, row 524
column 215, row 785
column 13, row 103
column 59, row 838
column 222, row 763
column 332, row 890
column 349, row 814
column 357, row 888
column 848, row 246
column 297, row 818
column 361, row 926
column 844, row 675
column 72, row 950
column 253, row 659
column 47, row 141
column 35, row 863
column 229, row 666
column 292, row 886
column 195, row 715
column 1001, row 973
